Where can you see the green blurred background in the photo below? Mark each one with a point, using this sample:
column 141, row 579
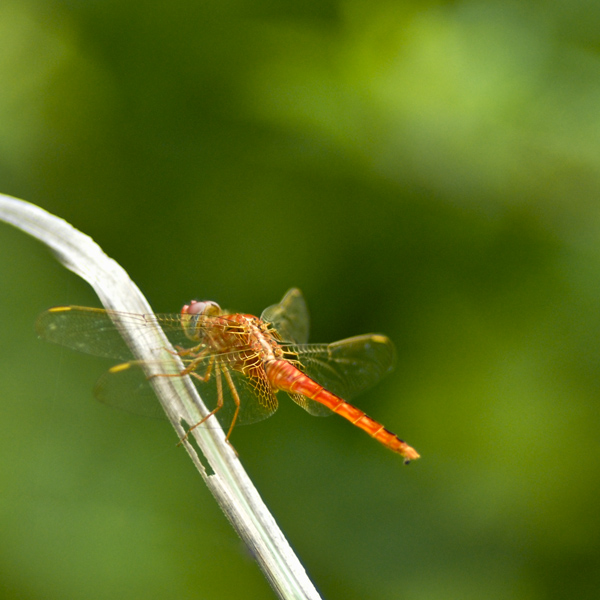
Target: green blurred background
column 430, row 170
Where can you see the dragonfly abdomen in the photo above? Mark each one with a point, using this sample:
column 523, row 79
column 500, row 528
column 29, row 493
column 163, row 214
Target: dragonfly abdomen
column 286, row 377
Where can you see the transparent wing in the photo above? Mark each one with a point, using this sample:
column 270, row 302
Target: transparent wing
column 127, row 387
column 93, row 330
column 316, row 409
column 348, row 367
column 289, row 317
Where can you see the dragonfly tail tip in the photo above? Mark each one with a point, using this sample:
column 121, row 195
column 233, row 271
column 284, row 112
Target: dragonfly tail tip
column 409, row 454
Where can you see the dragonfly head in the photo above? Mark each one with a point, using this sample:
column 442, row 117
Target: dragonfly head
column 207, row 307
column 194, row 318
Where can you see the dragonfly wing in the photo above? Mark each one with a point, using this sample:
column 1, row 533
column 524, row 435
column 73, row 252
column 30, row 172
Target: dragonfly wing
column 94, row 330
column 129, row 388
column 289, row 317
column 316, row 409
column 348, row 367
column 88, row 330
column 256, row 396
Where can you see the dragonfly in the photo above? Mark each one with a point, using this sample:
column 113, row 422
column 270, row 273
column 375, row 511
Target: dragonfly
column 239, row 362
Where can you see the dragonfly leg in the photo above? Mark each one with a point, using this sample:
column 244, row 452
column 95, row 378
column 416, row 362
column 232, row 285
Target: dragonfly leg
column 219, row 405
column 191, row 370
column 236, row 399
column 181, row 351
column 220, row 402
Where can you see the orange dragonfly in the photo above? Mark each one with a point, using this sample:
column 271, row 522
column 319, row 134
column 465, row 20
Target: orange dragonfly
column 239, row 362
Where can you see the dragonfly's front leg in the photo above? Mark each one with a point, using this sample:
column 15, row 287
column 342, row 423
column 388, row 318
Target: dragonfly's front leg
column 181, row 351
column 190, row 369
column 220, row 401
column 219, row 405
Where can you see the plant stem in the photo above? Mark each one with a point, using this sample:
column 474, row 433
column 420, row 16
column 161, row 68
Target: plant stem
column 229, row 483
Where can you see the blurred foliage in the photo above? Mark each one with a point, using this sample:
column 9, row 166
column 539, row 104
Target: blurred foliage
column 427, row 169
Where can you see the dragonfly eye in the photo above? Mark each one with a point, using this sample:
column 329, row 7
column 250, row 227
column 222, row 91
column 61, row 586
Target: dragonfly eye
column 207, row 307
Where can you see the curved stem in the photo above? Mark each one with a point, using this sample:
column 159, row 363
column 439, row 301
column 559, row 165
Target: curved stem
column 229, row 483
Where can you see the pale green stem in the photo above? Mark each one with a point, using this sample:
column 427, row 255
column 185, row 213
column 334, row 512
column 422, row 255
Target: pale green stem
column 229, row 483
